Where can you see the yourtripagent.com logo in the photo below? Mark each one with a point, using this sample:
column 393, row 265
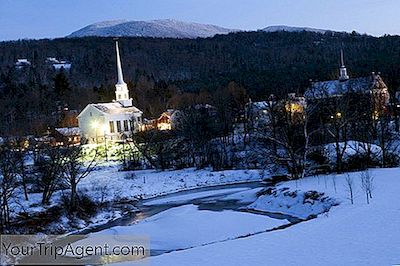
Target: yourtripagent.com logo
column 72, row 250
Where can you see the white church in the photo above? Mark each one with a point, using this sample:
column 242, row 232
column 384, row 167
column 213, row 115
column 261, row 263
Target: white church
column 111, row 121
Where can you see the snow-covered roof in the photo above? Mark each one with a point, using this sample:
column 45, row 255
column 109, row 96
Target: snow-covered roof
column 333, row 88
column 51, row 60
column 62, row 64
column 168, row 113
column 58, row 64
column 22, row 61
column 68, row 131
column 115, row 108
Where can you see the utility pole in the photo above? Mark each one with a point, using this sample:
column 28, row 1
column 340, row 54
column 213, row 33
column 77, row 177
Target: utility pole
column 105, row 145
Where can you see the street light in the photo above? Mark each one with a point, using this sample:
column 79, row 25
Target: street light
column 95, row 125
column 105, row 141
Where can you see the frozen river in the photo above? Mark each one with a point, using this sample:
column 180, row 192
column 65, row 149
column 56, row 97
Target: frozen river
column 197, row 217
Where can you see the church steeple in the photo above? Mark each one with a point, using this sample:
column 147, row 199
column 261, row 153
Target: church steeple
column 121, row 89
column 119, row 67
column 343, row 70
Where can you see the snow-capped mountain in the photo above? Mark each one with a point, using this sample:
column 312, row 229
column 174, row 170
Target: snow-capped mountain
column 165, row 28
column 292, row 29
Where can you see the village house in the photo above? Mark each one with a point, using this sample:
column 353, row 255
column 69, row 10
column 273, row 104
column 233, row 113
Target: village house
column 166, row 121
column 65, row 117
column 258, row 114
column 295, row 105
column 66, row 136
column 113, row 121
column 58, row 64
column 22, row 63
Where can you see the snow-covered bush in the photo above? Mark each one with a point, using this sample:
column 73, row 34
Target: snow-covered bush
column 303, row 205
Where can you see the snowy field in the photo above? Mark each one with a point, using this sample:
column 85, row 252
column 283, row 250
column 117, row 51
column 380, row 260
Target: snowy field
column 111, row 184
column 186, row 227
column 358, row 234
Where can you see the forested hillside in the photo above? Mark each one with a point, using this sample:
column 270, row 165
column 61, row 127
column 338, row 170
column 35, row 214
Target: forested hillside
column 159, row 70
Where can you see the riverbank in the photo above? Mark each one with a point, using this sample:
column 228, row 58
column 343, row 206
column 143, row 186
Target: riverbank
column 114, row 194
column 349, row 234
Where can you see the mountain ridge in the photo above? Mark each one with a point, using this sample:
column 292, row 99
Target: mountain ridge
column 160, row 28
column 170, row 28
column 275, row 28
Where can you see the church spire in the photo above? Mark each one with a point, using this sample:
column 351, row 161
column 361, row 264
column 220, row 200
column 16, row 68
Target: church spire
column 121, row 89
column 343, row 70
column 119, row 67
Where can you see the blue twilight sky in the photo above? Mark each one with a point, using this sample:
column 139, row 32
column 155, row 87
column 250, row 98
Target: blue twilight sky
column 57, row 18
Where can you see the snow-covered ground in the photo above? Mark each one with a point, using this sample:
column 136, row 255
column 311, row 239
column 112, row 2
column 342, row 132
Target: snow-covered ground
column 109, row 183
column 358, row 234
column 186, row 226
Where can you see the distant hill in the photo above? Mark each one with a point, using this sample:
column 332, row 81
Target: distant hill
column 292, row 29
column 165, row 28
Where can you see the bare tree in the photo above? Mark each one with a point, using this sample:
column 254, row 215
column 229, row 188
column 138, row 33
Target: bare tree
column 350, row 189
column 309, row 133
column 377, row 127
column 157, row 147
column 289, row 145
column 8, row 183
column 387, row 137
column 367, row 184
column 338, row 128
column 197, row 126
column 23, row 173
column 142, row 143
column 229, row 102
column 49, row 167
column 75, row 170
column 335, row 116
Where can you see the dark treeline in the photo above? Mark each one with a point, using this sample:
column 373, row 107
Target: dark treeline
column 160, row 69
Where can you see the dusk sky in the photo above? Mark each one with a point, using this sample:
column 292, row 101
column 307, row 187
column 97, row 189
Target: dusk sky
column 57, row 18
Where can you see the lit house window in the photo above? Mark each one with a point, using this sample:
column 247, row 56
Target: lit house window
column 112, row 129
column 119, row 129
column 126, row 125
